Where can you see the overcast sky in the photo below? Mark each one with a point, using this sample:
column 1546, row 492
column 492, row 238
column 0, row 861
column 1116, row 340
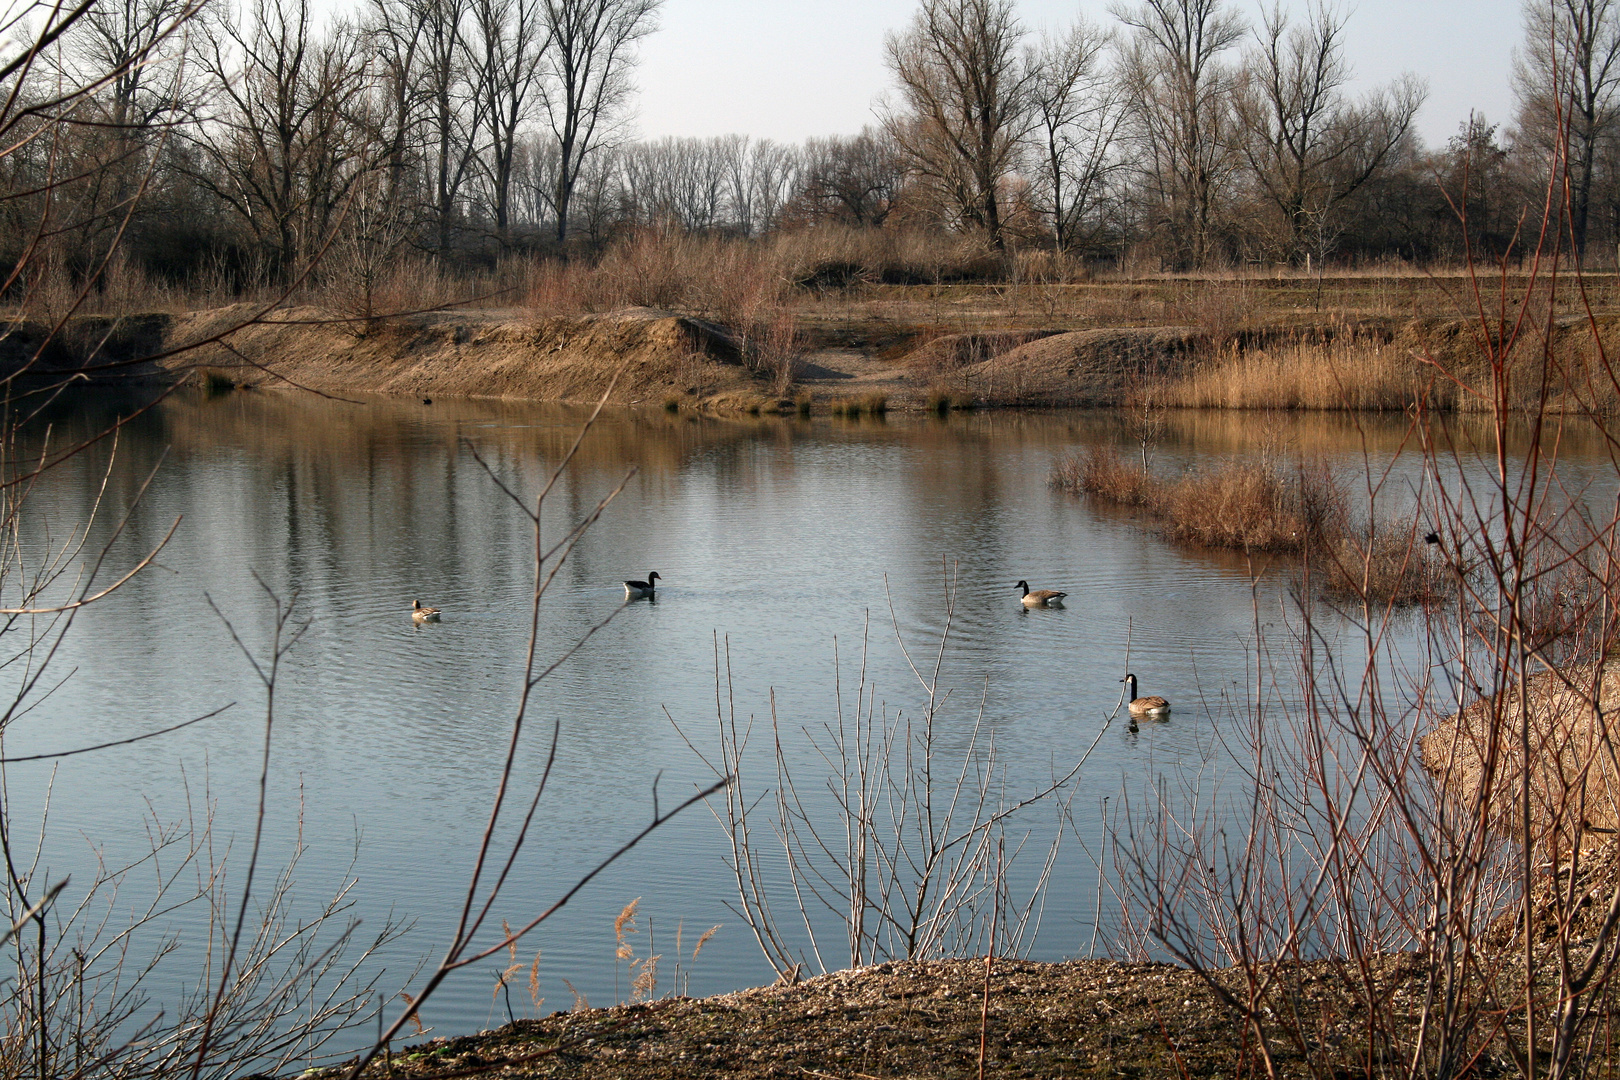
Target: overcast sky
column 787, row 69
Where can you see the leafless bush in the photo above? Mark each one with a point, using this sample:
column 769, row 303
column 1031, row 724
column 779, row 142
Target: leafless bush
column 1389, row 566
column 1415, row 875
column 776, row 350
column 898, row 851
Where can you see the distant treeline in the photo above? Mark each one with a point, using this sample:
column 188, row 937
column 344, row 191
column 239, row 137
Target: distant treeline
column 251, row 141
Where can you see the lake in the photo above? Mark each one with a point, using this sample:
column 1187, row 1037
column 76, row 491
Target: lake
column 777, row 540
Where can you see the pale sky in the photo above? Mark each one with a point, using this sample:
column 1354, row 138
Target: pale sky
column 787, row 69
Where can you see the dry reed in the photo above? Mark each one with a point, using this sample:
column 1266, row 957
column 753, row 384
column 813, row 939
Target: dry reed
column 865, row 405
column 1246, row 505
column 1386, row 567
column 1255, row 506
column 1102, row 472
column 1358, row 375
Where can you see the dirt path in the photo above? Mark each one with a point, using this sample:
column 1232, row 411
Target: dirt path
column 849, row 372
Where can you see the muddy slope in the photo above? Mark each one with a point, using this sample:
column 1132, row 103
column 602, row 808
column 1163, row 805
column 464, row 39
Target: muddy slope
column 474, row 354
column 1083, row 367
column 664, row 355
column 502, row 354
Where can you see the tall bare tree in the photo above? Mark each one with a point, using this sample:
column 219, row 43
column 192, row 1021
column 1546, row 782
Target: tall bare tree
column 1078, row 114
column 855, row 179
column 453, row 111
column 398, row 30
column 1566, row 81
column 512, row 38
column 1308, row 147
column 587, row 80
column 761, row 174
column 965, row 92
column 1180, row 92
column 281, row 147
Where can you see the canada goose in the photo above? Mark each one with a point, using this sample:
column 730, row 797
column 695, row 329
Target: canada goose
column 635, row 590
column 1143, row 706
column 423, row 614
column 1041, row 597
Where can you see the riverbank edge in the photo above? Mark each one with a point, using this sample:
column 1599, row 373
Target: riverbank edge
column 657, row 357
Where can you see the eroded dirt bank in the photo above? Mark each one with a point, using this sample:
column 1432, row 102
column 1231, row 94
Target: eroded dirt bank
column 667, row 356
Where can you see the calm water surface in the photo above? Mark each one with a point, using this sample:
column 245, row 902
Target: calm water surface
column 778, row 537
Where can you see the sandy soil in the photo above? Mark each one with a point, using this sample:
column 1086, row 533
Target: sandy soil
column 984, row 357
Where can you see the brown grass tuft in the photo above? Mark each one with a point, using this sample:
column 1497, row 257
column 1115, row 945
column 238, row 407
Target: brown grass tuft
column 1385, row 568
column 704, row 940
column 580, row 1004
column 865, row 405
column 1249, row 505
column 1103, row 472
column 644, row 986
column 1254, row 506
column 1360, row 375
column 623, row 925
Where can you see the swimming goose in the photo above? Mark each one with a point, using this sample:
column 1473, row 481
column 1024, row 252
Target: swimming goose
column 1143, row 706
column 423, row 614
column 635, row 590
column 1041, row 597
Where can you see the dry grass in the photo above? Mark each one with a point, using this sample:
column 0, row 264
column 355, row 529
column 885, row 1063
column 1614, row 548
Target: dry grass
column 1248, row 505
column 1343, row 374
column 942, row 400
column 1103, row 472
column 1388, row 567
column 856, row 407
column 1256, row 506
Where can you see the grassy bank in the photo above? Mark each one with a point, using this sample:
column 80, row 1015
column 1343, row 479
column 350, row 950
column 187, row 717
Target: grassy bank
column 937, row 321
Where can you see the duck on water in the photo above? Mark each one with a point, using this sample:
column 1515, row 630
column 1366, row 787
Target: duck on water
column 1144, row 706
column 637, row 590
column 1041, row 597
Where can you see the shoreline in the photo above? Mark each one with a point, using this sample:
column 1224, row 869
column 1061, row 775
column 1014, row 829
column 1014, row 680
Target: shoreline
column 1072, row 1018
column 672, row 359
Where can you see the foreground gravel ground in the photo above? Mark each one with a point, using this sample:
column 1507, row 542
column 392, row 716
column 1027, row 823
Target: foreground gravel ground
column 1079, row 1019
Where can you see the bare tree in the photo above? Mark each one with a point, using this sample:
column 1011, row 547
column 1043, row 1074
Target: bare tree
column 679, row 181
column 1078, row 115
column 131, row 39
column 512, row 39
column 855, row 179
column 280, row 148
column 587, row 80
column 1180, row 94
column 760, row 174
column 965, row 90
column 453, row 110
column 1566, row 81
column 1309, row 148
column 774, row 171
column 397, row 29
